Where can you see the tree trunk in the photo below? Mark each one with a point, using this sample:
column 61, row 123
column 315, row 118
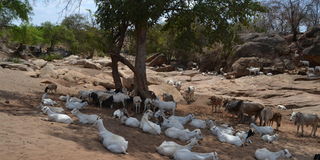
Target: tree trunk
column 140, row 77
column 115, row 73
column 118, row 43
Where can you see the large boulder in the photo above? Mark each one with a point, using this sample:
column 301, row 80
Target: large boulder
column 165, row 69
column 88, row 64
column 151, row 58
column 39, row 62
column 48, row 71
column 240, row 66
column 262, row 45
column 312, row 54
column 158, row 61
column 15, row 66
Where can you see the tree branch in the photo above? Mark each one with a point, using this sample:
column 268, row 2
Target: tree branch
column 125, row 62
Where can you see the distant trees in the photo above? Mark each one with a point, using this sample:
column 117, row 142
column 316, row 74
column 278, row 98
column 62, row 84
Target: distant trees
column 289, row 16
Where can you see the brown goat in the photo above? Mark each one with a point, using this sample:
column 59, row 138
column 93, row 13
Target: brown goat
column 277, row 117
column 251, row 109
column 216, row 102
column 51, row 88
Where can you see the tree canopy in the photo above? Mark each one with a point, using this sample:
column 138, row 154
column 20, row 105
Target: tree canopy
column 14, row 9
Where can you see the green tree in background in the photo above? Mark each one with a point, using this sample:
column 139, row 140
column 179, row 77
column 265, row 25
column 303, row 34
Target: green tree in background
column 54, row 34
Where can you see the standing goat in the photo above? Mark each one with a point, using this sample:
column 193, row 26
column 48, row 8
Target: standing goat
column 266, row 115
column 301, row 119
column 137, row 102
column 216, row 102
column 51, row 88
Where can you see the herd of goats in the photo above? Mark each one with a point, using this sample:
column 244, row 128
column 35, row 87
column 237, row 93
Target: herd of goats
column 159, row 115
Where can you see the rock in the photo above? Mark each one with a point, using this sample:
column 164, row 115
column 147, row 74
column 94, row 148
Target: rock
column 105, row 62
column 312, row 54
column 165, row 88
column 151, row 58
column 262, row 45
column 34, row 74
column 88, row 64
column 48, row 71
column 15, row 66
column 158, row 61
column 255, row 49
column 106, row 85
column 165, row 69
column 39, row 62
column 240, row 66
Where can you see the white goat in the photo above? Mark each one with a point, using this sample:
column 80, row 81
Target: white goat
column 147, row 104
column 84, row 118
column 137, row 102
column 245, row 135
column 198, row 123
column 317, row 69
column 117, row 113
column 54, row 109
column 56, row 117
column 183, row 120
column 269, row 74
column 178, row 85
column 254, row 70
column 148, row 126
column 72, row 105
column 281, row 107
column 47, row 101
column 170, row 82
column 183, row 135
column 305, row 63
column 311, row 70
column 112, row 142
column 85, row 95
column 262, row 130
column 166, row 106
column 301, row 119
column 223, row 128
column 168, row 148
column 227, row 138
column 168, row 123
column 185, row 154
column 265, row 154
column 129, row 121
column 120, row 97
column 268, row 138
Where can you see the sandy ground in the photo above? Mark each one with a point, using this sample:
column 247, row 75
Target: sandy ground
column 24, row 135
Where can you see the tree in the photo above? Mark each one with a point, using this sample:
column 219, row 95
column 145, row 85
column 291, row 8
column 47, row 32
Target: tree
column 53, row 34
column 26, row 34
column 13, row 9
column 313, row 14
column 119, row 15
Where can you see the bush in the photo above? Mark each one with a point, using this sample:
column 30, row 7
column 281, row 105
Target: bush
column 51, row 56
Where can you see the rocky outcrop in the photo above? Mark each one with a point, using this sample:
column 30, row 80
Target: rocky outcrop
column 262, row 45
column 15, row 66
column 240, row 66
column 158, row 61
column 88, row 64
column 40, row 63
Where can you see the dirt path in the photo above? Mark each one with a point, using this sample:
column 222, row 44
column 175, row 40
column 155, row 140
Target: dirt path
column 24, row 135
